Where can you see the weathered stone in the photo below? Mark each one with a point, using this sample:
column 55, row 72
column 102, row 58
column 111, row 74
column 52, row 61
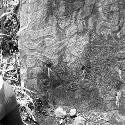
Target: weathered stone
column 28, row 43
column 63, row 23
column 72, row 112
column 31, row 60
column 32, row 72
column 76, row 44
column 123, row 75
column 72, row 41
column 70, row 49
column 31, row 84
column 49, row 52
column 41, row 33
column 34, row 6
column 79, row 120
column 71, row 30
column 82, row 41
column 41, row 47
column 59, row 112
column 32, row 1
column 49, row 41
column 50, row 31
column 24, row 15
column 25, row 8
column 42, row 41
column 35, row 34
column 36, row 15
column 24, row 19
column 122, row 104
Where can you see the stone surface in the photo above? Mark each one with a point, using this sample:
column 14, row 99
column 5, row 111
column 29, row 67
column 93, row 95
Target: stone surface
column 70, row 31
column 31, row 60
column 59, row 112
column 79, row 121
column 72, row 112
column 68, row 42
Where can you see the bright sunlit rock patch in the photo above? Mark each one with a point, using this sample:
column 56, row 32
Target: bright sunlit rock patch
column 72, row 112
column 59, row 112
column 79, row 121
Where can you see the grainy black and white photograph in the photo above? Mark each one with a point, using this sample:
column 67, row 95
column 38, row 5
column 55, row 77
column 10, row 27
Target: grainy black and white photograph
column 62, row 62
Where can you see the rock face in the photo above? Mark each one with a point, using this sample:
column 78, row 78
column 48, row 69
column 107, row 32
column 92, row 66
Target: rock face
column 48, row 41
column 70, row 34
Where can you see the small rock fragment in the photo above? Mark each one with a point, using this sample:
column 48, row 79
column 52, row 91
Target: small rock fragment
column 72, row 112
column 79, row 121
column 60, row 113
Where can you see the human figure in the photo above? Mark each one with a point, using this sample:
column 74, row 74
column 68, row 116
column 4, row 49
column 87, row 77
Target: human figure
column 9, row 112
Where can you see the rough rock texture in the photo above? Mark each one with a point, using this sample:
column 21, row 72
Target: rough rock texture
column 71, row 34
